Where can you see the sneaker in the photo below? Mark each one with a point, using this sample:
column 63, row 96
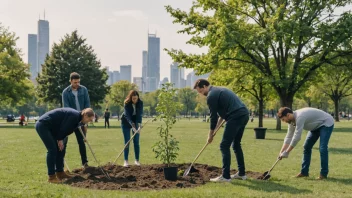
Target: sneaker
column 137, row 163
column 237, row 176
column 125, row 163
column 220, row 179
column 85, row 165
column 301, row 175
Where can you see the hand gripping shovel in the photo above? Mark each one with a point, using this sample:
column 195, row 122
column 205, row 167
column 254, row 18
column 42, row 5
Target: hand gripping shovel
column 102, row 170
column 266, row 175
column 190, row 167
column 135, row 133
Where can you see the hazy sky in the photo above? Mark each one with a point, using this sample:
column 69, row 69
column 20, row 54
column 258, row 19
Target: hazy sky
column 117, row 29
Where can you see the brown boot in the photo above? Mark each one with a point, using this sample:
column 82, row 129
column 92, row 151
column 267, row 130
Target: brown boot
column 54, row 179
column 321, row 177
column 63, row 175
column 301, row 175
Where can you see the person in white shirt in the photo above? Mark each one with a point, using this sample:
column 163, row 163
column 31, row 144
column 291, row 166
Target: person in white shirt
column 318, row 124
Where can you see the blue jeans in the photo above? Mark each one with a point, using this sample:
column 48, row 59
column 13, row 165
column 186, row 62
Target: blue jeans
column 54, row 157
column 324, row 133
column 126, row 130
column 233, row 135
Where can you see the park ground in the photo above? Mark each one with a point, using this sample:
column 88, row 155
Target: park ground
column 23, row 167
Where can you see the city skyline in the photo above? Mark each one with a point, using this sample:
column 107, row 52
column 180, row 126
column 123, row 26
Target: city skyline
column 117, row 30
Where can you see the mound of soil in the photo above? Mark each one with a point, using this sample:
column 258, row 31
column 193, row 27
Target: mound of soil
column 144, row 177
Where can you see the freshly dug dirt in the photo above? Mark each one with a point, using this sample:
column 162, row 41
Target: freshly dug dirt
column 144, row 177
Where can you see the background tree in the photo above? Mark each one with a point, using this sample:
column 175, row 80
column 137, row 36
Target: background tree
column 151, row 100
column 247, row 82
column 287, row 41
column 336, row 84
column 15, row 85
column 119, row 92
column 187, row 97
column 202, row 106
column 72, row 54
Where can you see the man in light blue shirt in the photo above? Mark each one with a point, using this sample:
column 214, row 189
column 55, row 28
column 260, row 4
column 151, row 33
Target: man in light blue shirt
column 76, row 97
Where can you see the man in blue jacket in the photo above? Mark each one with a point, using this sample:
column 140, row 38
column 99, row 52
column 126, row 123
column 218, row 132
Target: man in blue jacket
column 76, row 97
column 224, row 104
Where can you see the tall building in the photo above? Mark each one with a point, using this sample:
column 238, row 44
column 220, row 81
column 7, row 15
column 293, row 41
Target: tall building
column 116, row 76
column 111, row 76
column 144, row 69
column 138, row 82
column 43, row 42
column 177, row 75
column 189, row 80
column 165, row 80
column 32, row 55
column 125, row 72
column 192, row 77
column 153, row 67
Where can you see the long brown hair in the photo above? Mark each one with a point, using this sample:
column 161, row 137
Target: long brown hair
column 129, row 96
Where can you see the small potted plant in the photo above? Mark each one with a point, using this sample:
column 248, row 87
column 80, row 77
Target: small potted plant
column 166, row 149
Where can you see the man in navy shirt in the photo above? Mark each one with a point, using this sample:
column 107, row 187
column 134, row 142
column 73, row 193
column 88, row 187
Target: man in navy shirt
column 53, row 127
column 224, row 104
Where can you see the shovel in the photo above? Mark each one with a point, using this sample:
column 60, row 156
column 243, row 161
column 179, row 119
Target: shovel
column 102, row 170
column 266, row 175
column 190, row 167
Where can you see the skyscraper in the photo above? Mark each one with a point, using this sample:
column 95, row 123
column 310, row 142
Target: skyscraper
column 138, row 82
column 153, row 68
column 144, row 70
column 116, row 76
column 125, row 72
column 32, row 55
column 177, row 75
column 43, row 42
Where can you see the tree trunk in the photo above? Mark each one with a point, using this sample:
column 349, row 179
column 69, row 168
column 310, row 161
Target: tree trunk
column 285, row 101
column 261, row 109
column 336, row 103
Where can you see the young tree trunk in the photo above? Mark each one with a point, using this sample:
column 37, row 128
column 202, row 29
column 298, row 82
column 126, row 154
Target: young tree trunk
column 336, row 103
column 261, row 114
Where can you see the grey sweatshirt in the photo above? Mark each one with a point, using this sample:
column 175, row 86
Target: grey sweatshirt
column 308, row 119
column 223, row 102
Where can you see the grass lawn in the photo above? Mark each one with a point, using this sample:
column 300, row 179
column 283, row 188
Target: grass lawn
column 23, row 168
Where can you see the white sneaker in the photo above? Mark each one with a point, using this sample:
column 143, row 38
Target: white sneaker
column 220, row 179
column 125, row 163
column 236, row 176
column 137, row 163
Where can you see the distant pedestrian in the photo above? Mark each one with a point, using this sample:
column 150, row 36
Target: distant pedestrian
column 107, row 117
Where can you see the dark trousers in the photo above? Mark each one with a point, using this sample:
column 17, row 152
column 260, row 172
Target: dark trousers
column 54, row 157
column 81, row 145
column 233, row 135
column 126, row 130
column 107, row 122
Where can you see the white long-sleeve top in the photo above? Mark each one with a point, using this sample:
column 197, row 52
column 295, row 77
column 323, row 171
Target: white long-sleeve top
column 308, row 119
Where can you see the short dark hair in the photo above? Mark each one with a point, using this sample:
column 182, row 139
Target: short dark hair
column 74, row 75
column 200, row 83
column 106, row 109
column 283, row 111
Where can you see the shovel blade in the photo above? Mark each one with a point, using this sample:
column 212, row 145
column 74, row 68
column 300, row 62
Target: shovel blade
column 187, row 171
